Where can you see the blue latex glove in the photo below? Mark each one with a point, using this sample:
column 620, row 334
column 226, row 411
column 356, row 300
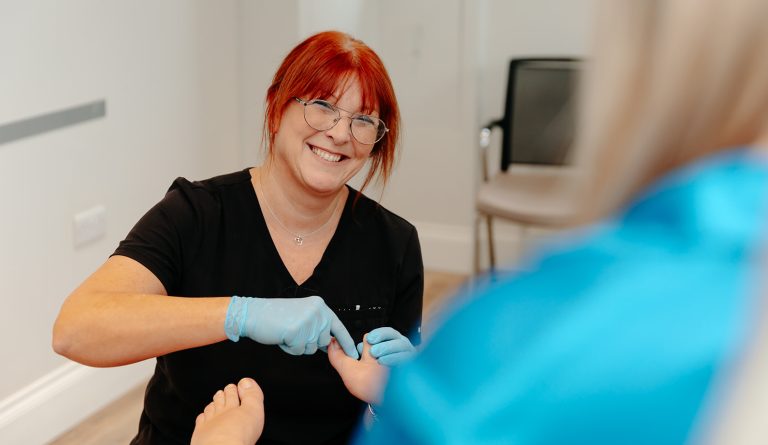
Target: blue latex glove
column 388, row 346
column 298, row 325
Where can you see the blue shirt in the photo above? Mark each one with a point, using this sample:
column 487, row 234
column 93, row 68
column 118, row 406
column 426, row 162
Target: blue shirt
column 614, row 337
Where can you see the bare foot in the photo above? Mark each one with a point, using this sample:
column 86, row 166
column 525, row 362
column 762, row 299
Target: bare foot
column 363, row 378
column 235, row 417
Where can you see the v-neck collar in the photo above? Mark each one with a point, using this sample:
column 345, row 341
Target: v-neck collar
column 261, row 225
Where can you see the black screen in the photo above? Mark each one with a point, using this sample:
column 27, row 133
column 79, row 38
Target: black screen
column 543, row 118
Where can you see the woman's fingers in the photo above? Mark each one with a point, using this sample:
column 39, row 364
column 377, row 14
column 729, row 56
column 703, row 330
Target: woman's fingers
column 395, row 359
column 339, row 331
column 381, row 334
column 390, row 347
column 310, row 348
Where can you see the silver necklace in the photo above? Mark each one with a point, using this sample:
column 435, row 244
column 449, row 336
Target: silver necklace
column 297, row 237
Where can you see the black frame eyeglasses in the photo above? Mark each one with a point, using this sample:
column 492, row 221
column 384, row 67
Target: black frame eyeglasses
column 323, row 115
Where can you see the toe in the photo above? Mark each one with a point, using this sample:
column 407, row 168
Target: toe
column 231, row 398
column 218, row 400
column 250, row 392
column 209, row 411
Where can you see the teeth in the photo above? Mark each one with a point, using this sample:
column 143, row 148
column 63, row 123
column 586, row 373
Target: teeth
column 325, row 155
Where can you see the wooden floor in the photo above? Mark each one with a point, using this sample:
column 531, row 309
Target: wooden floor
column 117, row 423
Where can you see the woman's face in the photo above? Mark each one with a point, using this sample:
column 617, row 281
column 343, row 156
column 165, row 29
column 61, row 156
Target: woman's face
column 321, row 161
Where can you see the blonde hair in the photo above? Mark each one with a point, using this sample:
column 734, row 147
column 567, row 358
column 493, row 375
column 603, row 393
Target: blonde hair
column 669, row 81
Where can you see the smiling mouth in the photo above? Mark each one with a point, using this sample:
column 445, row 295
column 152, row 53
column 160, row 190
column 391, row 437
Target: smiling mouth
column 327, row 156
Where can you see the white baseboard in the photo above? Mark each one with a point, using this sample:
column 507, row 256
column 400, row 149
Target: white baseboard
column 63, row 398
column 449, row 248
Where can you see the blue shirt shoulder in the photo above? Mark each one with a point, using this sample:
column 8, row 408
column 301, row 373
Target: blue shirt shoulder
column 614, row 336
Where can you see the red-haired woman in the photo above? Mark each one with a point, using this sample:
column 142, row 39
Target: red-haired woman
column 282, row 257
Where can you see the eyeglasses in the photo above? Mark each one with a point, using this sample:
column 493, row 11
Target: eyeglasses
column 322, row 115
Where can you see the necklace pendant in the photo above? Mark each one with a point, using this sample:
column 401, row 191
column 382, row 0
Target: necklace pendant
column 298, row 240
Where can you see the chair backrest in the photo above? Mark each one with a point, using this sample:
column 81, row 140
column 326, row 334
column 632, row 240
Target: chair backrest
column 539, row 113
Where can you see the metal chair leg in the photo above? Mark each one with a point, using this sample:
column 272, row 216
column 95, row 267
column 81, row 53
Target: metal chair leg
column 523, row 243
column 491, row 250
column 476, row 244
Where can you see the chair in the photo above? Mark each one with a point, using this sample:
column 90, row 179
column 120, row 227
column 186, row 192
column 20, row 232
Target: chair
column 537, row 129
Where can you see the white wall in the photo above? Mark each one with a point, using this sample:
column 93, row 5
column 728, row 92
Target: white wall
column 168, row 72
column 268, row 30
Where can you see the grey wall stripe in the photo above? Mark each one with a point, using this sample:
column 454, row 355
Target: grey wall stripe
column 52, row 121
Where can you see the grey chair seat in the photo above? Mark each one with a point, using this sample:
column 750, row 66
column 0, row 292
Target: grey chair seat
column 529, row 195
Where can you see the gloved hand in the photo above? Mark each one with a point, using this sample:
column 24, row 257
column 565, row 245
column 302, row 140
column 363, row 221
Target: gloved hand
column 388, row 346
column 298, row 325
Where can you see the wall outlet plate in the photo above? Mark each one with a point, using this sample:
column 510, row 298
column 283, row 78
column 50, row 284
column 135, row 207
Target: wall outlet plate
column 90, row 225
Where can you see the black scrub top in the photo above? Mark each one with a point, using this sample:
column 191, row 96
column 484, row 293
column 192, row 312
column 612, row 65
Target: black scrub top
column 209, row 238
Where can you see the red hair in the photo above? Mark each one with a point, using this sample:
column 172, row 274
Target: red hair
column 316, row 68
